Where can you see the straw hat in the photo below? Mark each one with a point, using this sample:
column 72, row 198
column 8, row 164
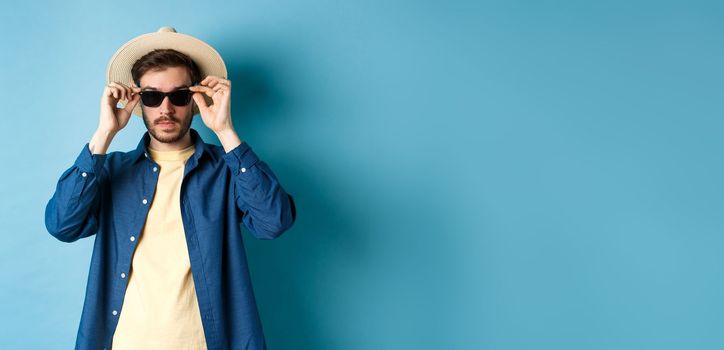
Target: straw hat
column 207, row 59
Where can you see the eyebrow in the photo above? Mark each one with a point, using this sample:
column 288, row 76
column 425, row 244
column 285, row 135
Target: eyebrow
column 174, row 89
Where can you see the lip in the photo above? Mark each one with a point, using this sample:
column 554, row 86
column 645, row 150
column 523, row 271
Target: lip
column 167, row 124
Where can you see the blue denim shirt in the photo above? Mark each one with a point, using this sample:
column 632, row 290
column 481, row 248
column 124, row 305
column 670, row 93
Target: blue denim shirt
column 109, row 196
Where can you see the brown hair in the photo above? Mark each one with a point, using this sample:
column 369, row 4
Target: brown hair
column 160, row 59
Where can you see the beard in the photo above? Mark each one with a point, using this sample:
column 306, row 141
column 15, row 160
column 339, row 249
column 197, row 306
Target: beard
column 168, row 136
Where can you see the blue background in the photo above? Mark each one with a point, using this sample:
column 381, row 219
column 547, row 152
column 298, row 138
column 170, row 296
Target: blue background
column 468, row 175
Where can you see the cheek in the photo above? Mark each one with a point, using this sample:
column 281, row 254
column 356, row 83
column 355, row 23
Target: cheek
column 190, row 110
column 148, row 113
column 185, row 115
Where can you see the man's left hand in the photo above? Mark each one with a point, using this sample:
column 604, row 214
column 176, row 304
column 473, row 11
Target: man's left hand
column 217, row 116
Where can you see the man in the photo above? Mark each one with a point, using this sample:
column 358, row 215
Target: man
column 169, row 269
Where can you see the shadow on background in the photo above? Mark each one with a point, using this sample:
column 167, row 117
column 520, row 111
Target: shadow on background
column 285, row 270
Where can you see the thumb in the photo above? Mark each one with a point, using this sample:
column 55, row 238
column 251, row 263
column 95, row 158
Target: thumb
column 199, row 99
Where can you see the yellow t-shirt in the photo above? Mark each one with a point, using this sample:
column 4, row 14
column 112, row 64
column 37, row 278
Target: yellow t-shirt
column 160, row 309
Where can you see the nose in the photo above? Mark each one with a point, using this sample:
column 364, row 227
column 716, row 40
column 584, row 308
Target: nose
column 166, row 106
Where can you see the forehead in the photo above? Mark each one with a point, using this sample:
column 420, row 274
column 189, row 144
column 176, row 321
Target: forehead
column 166, row 79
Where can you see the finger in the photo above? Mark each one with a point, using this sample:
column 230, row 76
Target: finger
column 135, row 91
column 117, row 90
column 115, row 84
column 132, row 103
column 200, row 101
column 221, row 84
column 223, row 81
column 202, row 89
column 221, row 88
column 212, row 80
column 208, row 78
column 218, row 95
column 125, row 91
column 110, row 90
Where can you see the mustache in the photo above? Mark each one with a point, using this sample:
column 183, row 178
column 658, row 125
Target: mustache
column 164, row 120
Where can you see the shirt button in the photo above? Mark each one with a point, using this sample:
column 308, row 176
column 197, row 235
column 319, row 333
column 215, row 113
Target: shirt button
column 133, row 238
column 155, row 169
column 115, row 312
column 243, row 170
column 84, row 174
column 145, row 154
column 123, row 275
column 144, row 201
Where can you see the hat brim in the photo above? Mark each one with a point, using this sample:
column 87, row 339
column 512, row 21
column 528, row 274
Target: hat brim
column 207, row 59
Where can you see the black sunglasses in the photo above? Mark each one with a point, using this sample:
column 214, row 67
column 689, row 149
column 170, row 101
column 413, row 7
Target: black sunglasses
column 153, row 98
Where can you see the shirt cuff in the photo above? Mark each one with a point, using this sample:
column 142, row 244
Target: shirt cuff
column 241, row 158
column 88, row 162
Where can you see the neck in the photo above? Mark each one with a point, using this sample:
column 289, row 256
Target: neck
column 182, row 143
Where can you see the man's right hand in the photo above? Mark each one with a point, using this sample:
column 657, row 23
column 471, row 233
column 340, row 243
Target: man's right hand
column 112, row 118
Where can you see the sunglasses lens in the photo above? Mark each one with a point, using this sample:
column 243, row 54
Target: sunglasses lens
column 154, row 98
column 180, row 97
column 151, row 98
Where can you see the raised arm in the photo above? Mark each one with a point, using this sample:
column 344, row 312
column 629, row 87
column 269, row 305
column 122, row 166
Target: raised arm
column 72, row 212
column 267, row 209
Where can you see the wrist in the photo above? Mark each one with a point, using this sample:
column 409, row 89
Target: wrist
column 228, row 138
column 105, row 132
column 100, row 141
column 225, row 132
